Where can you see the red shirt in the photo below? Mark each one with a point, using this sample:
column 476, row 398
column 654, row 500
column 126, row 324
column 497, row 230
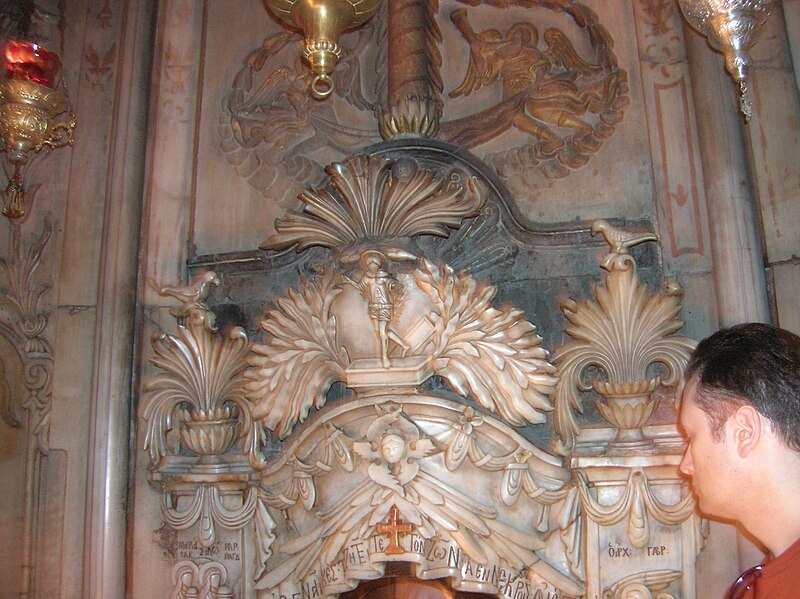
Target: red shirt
column 780, row 578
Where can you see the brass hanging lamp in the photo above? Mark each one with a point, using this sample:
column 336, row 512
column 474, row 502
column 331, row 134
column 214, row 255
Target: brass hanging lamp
column 730, row 27
column 32, row 94
column 322, row 22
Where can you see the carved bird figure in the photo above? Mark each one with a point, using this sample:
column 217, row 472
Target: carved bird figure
column 620, row 240
column 191, row 296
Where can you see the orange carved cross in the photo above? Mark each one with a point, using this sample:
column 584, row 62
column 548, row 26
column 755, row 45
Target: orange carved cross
column 393, row 529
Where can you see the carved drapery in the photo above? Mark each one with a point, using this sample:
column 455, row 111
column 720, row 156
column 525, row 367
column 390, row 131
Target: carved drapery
column 424, row 455
column 638, row 504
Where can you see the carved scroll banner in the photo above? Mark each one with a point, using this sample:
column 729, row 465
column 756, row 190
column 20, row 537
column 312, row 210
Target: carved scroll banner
column 442, row 558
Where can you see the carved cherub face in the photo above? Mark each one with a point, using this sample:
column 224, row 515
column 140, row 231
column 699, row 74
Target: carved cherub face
column 393, row 448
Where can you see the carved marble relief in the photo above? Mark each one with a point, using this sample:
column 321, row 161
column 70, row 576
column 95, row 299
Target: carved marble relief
column 641, row 529
column 568, row 105
column 26, row 378
column 565, row 102
column 23, row 324
column 424, row 452
column 626, row 332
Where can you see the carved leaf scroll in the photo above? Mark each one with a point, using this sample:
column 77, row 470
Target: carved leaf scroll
column 624, row 332
column 374, row 197
column 492, row 354
column 295, row 369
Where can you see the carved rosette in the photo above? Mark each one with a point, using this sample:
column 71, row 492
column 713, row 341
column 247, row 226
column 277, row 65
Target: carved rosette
column 625, row 333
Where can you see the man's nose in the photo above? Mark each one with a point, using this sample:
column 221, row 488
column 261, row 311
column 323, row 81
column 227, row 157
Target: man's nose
column 686, row 466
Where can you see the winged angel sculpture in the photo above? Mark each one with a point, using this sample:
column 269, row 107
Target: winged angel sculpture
column 567, row 104
column 400, row 483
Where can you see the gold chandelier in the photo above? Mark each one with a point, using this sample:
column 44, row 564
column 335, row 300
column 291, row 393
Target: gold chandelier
column 30, row 98
column 322, row 22
column 731, row 27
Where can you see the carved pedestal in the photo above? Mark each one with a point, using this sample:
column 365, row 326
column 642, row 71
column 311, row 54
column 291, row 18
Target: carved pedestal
column 212, row 509
column 641, row 532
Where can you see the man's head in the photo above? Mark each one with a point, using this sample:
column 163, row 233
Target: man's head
column 741, row 407
column 754, row 364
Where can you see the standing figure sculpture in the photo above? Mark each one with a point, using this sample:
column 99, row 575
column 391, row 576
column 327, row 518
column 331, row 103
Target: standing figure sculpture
column 383, row 293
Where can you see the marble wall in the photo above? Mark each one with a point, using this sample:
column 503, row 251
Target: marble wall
column 170, row 168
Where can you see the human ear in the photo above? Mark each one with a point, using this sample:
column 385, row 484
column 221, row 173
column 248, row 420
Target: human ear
column 747, row 431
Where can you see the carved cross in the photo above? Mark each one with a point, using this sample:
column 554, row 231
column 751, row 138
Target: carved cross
column 393, row 529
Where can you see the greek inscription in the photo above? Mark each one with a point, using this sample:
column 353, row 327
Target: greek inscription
column 657, row 550
column 517, row 589
column 453, row 556
column 334, row 572
column 212, row 551
column 379, row 544
column 437, row 552
column 619, row 551
column 311, row 589
column 484, row 574
column 416, row 543
column 356, row 554
column 187, row 544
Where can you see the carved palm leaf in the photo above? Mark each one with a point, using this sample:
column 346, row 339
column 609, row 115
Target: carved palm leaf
column 374, row 197
column 625, row 331
column 493, row 355
column 200, row 370
column 295, row 369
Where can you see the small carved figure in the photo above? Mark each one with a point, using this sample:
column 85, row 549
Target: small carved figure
column 191, row 296
column 619, row 240
column 383, row 293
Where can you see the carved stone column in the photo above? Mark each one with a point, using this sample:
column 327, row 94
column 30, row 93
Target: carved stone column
column 734, row 226
column 414, row 79
column 107, row 473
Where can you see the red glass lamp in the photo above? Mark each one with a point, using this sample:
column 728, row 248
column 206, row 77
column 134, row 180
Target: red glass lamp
column 31, row 96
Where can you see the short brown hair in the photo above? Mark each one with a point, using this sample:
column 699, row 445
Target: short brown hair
column 756, row 364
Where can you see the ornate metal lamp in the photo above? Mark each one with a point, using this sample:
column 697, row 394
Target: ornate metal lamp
column 322, row 22
column 29, row 101
column 731, row 27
